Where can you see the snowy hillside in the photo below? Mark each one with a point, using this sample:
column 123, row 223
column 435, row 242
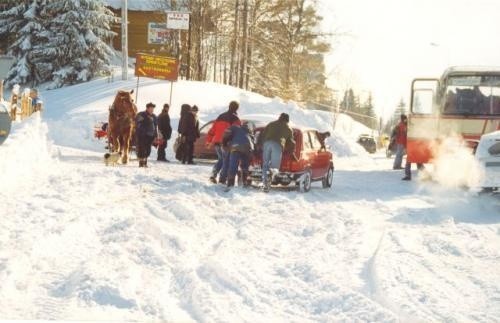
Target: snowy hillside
column 73, row 111
column 82, row 241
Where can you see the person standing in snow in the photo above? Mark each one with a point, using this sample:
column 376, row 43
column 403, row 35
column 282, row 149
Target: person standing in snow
column 146, row 123
column 238, row 142
column 214, row 138
column 400, row 133
column 401, row 141
column 190, row 131
column 181, row 139
column 165, row 131
column 276, row 136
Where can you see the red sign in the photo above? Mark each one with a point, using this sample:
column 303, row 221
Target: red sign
column 157, row 67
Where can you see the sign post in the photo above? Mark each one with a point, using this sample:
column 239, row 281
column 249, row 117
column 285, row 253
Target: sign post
column 177, row 20
column 157, row 33
column 156, row 67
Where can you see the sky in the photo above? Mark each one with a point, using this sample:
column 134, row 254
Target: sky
column 384, row 44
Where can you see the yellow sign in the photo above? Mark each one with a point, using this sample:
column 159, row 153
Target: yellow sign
column 157, row 67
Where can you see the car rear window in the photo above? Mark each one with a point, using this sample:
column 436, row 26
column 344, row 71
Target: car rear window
column 314, row 140
column 307, row 141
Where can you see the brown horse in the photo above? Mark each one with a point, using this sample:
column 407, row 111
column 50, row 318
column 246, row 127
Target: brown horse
column 122, row 123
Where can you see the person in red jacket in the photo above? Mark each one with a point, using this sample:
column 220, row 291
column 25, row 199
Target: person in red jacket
column 214, row 138
column 400, row 132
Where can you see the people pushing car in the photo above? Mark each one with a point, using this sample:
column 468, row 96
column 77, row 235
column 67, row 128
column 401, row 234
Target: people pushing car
column 276, row 136
column 238, row 142
column 214, row 138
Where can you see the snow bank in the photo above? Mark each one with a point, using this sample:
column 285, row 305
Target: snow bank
column 72, row 111
column 25, row 152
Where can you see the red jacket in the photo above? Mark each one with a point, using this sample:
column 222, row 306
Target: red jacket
column 401, row 134
column 223, row 121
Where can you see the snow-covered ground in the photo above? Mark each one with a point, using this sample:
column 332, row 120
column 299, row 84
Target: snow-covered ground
column 81, row 241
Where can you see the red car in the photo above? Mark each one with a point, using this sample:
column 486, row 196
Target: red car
column 200, row 149
column 314, row 162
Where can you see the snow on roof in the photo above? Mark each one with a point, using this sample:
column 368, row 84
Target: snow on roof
column 138, row 5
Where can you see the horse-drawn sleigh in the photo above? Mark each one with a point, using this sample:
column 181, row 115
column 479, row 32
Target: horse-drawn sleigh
column 120, row 128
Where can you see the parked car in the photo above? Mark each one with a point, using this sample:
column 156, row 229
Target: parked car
column 368, row 142
column 313, row 164
column 200, row 149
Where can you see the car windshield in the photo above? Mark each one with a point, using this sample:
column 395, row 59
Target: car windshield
column 472, row 95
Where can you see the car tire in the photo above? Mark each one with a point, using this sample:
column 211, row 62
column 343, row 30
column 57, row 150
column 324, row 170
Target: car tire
column 306, row 181
column 328, row 179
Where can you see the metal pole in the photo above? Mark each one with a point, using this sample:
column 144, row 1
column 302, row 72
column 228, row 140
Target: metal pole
column 124, row 41
column 137, row 90
column 171, row 90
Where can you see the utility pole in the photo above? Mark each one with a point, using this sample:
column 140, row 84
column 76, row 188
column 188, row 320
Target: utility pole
column 124, row 41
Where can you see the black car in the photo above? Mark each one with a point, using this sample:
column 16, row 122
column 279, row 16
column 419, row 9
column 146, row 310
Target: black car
column 368, row 142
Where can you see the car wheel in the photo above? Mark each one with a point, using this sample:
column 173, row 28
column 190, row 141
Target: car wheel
column 305, row 182
column 328, row 179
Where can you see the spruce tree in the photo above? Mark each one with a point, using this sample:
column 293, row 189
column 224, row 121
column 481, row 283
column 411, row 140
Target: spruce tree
column 77, row 43
column 23, row 25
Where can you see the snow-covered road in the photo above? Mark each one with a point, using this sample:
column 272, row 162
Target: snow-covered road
column 82, row 241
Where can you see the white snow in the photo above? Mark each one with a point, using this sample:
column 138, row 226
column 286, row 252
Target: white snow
column 82, row 241
column 139, row 5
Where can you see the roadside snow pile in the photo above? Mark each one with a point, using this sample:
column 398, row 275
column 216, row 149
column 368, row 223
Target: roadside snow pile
column 27, row 150
column 72, row 111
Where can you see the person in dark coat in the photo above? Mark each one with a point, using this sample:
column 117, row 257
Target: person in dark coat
column 179, row 151
column 274, row 138
column 146, row 123
column 238, row 141
column 400, row 140
column 165, row 131
column 214, row 138
column 190, row 131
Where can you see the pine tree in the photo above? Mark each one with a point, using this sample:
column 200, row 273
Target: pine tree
column 368, row 110
column 59, row 40
column 77, row 43
column 401, row 109
column 23, row 25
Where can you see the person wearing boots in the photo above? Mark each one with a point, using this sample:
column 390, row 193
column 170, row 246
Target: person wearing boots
column 165, row 131
column 238, row 141
column 214, row 139
column 400, row 135
column 190, row 131
column 274, row 138
column 146, row 123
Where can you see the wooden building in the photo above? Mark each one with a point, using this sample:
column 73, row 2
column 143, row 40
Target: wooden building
column 140, row 14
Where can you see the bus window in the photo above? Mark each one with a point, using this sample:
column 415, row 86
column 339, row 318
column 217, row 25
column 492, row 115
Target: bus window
column 423, row 96
column 423, row 101
column 472, row 95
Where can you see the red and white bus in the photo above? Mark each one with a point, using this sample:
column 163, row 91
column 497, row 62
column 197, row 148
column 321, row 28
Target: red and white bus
column 465, row 101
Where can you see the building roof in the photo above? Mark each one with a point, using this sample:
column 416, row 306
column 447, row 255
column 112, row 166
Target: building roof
column 137, row 5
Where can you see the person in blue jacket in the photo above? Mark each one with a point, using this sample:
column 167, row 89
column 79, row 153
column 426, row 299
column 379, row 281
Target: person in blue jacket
column 238, row 141
column 146, row 131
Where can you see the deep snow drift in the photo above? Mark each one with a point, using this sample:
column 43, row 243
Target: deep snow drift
column 81, row 241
